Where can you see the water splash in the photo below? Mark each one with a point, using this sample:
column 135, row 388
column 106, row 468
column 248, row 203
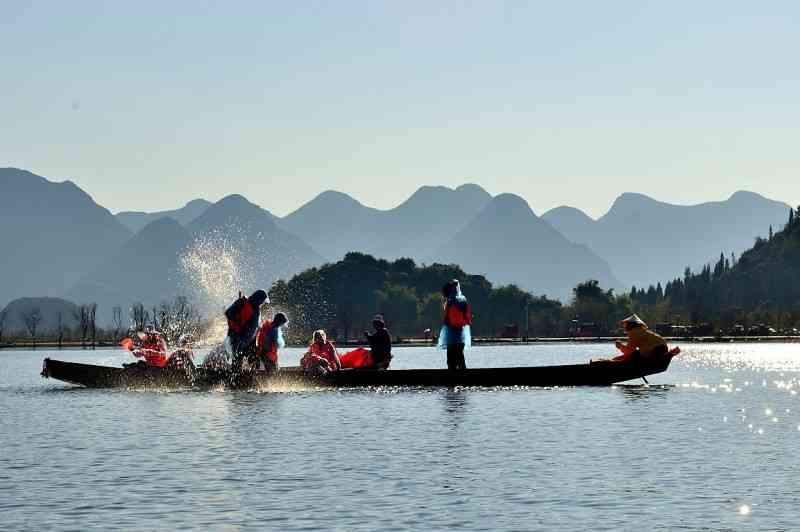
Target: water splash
column 213, row 270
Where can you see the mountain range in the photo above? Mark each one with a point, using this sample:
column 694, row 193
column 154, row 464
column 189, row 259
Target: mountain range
column 51, row 234
column 646, row 241
column 498, row 237
column 137, row 220
column 61, row 243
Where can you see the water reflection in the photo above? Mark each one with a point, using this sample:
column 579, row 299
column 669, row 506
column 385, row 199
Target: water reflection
column 455, row 402
column 636, row 392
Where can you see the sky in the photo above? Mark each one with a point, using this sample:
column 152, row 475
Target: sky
column 149, row 104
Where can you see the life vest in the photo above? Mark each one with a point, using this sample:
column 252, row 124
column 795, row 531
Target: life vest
column 261, row 342
column 326, row 352
column 154, row 342
column 239, row 321
column 153, row 350
column 458, row 314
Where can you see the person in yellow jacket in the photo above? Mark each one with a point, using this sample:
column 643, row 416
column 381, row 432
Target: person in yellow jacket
column 642, row 342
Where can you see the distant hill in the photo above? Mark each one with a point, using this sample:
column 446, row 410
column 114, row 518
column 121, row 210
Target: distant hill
column 766, row 276
column 334, row 223
column 48, row 307
column 51, row 234
column 508, row 243
column 145, row 269
column 646, row 241
column 234, row 245
column 136, row 220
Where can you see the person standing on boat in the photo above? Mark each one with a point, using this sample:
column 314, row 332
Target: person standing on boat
column 380, row 343
column 642, row 342
column 243, row 318
column 321, row 357
column 456, row 334
column 268, row 342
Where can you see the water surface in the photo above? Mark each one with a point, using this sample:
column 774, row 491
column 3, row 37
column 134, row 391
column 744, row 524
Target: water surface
column 711, row 445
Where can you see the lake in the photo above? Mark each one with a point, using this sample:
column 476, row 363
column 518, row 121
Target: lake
column 711, row 444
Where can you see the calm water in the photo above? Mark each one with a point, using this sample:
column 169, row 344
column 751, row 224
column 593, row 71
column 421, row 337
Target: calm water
column 716, row 436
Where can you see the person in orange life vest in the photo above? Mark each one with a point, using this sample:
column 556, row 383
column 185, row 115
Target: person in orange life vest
column 153, row 348
column 321, row 357
column 243, row 317
column 456, row 334
column 380, row 343
column 269, row 341
column 642, row 342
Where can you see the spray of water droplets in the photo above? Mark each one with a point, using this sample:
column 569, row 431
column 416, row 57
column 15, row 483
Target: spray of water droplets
column 212, row 272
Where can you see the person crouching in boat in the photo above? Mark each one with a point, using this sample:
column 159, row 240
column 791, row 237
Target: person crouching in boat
column 243, row 317
column 268, row 342
column 380, row 343
column 456, row 334
column 153, row 348
column 642, row 342
column 321, row 357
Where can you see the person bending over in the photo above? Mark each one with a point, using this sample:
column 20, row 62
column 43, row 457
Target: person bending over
column 269, row 341
column 642, row 342
column 243, row 318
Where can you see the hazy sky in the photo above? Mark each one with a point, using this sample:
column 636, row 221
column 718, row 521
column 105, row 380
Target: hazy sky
column 148, row 104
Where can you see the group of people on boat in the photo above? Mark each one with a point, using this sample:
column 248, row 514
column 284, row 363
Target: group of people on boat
column 257, row 342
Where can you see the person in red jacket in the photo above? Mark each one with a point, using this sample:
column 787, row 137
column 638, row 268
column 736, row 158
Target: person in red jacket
column 152, row 347
column 321, row 357
column 456, row 333
column 269, row 341
column 243, row 317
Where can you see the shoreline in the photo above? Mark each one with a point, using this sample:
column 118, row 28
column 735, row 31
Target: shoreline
column 419, row 342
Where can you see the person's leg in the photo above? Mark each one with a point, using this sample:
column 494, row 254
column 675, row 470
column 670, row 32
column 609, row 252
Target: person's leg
column 452, row 362
column 460, row 362
column 236, row 363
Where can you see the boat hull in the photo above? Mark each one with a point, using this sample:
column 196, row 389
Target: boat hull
column 140, row 376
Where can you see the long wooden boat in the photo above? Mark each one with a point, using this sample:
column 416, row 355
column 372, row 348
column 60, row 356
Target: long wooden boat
column 141, row 376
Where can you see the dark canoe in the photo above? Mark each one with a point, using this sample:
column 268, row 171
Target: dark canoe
column 139, row 376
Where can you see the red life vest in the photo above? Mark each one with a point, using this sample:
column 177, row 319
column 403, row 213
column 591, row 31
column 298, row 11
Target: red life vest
column 326, row 352
column 153, row 350
column 455, row 316
column 261, row 340
column 238, row 323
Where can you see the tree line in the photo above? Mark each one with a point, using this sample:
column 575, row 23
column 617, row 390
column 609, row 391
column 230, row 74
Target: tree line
column 342, row 297
column 762, row 286
column 173, row 318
